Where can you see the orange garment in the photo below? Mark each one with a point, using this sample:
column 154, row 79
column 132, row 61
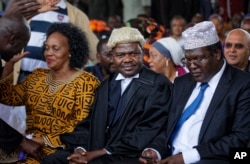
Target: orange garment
column 52, row 107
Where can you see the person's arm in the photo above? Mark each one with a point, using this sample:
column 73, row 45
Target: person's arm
column 27, row 8
column 30, row 8
column 11, row 139
column 9, row 65
column 10, row 92
column 32, row 148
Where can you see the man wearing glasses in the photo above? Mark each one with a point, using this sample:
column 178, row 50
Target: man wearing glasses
column 210, row 106
column 237, row 49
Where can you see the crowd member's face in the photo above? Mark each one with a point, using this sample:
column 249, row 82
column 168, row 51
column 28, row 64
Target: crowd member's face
column 12, row 43
column 246, row 25
column 128, row 58
column 105, row 58
column 217, row 24
column 177, row 27
column 236, row 19
column 237, row 49
column 157, row 62
column 202, row 64
column 114, row 22
column 57, row 52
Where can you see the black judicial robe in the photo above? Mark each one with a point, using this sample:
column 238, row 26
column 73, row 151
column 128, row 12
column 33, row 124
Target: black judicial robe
column 144, row 114
column 143, row 117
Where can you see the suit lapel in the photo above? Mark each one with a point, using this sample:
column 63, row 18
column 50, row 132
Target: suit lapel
column 222, row 88
column 181, row 97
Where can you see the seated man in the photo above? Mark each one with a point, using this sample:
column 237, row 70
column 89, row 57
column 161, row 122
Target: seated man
column 105, row 65
column 237, row 49
column 209, row 113
column 129, row 110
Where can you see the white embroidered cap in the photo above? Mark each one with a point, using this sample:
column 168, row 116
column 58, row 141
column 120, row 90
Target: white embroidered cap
column 125, row 35
column 200, row 35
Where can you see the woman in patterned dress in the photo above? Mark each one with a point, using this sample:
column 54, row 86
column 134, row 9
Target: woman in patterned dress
column 56, row 98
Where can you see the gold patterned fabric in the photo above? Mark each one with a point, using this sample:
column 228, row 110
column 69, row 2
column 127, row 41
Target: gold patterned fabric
column 53, row 107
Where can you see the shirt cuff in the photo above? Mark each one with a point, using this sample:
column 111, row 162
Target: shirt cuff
column 191, row 156
column 157, row 153
column 109, row 153
column 80, row 148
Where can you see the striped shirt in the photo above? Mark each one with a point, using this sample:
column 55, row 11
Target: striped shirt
column 39, row 25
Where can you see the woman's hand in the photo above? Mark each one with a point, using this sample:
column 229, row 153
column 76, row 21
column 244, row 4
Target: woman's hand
column 17, row 57
column 9, row 65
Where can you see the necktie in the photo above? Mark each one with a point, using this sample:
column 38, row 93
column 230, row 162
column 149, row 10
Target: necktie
column 189, row 111
column 114, row 98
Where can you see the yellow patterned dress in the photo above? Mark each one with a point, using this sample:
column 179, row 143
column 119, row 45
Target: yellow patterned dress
column 53, row 107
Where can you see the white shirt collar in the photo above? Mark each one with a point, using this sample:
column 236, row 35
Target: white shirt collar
column 213, row 82
column 121, row 77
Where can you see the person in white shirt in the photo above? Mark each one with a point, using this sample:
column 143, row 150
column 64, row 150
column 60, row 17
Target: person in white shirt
column 204, row 122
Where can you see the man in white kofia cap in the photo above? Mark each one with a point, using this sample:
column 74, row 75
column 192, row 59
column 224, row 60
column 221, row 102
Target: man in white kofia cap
column 209, row 113
column 130, row 108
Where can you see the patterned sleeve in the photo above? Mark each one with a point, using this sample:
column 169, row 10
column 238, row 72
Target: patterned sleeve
column 85, row 91
column 12, row 94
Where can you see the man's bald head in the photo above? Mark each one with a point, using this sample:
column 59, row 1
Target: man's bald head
column 14, row 35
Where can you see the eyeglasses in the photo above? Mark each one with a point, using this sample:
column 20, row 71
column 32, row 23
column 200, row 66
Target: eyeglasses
column 236, row 46
column 196, row 61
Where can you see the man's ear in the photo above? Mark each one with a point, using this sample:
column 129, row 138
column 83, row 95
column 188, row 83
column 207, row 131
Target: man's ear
column 218, row 54
column 98, row 57
column 12, row 39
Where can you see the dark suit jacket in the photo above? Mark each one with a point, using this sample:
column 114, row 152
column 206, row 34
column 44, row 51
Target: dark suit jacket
column 226, row 123
column 9, row 137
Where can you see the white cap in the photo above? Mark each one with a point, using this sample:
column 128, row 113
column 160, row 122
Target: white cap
column 125, row 35
column 171, row 45
column 200, row 35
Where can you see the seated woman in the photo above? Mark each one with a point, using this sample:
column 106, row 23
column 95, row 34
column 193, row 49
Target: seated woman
column 165, row 57
column 57, row 98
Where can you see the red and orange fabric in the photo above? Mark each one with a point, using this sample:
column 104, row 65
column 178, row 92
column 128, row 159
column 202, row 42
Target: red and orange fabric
column 98, row 25
column 151, row 31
